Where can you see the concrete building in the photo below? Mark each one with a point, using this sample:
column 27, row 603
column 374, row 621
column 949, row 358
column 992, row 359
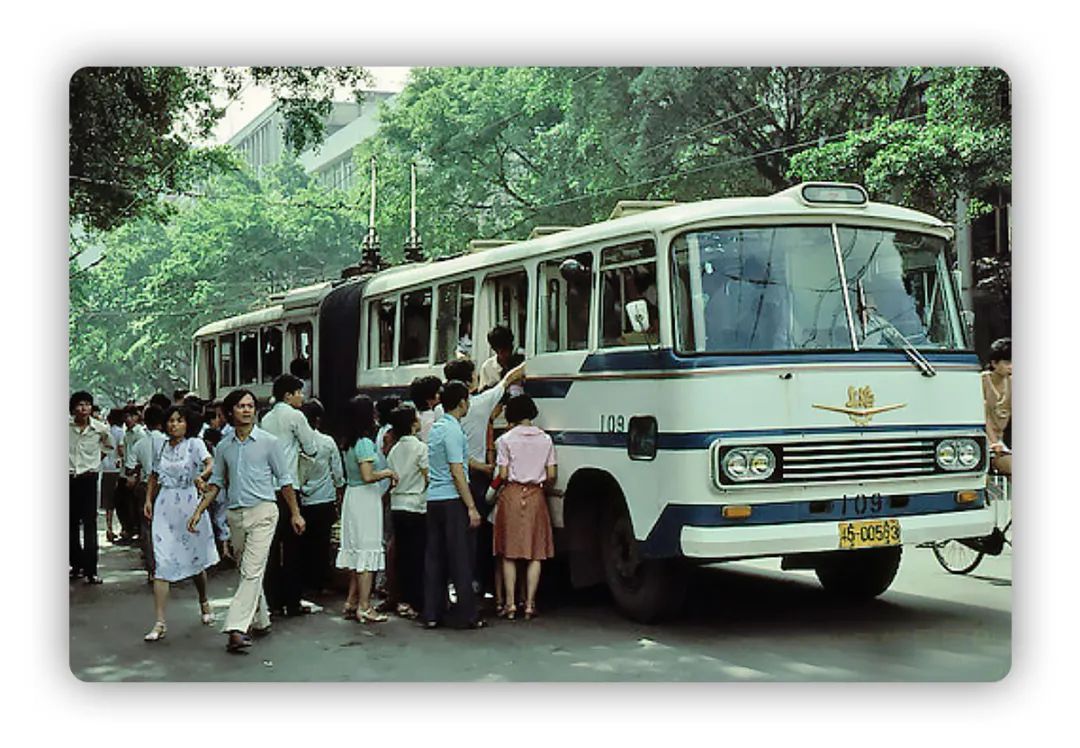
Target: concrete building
column 262, row 142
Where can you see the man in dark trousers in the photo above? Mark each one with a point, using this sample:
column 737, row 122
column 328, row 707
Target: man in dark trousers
column 451, row 513
column 88, row 442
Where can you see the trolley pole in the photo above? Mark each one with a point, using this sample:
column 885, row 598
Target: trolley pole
column 370, row 258
column 413, row 247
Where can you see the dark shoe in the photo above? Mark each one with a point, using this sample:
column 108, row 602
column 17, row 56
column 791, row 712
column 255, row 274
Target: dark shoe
column 260, row 633
column 92, row 579
column 237, row 643
column 479, row 623
column 299, row 611
column 429, row 625
column 74, row 573
column 123, row 540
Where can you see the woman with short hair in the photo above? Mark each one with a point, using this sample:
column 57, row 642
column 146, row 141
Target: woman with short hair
column 526, row 463
column 178, row 476
column 997, row 398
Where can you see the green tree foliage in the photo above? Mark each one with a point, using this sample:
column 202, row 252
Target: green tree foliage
column 960, row 142
column 223, row 253
column 502, row 149
column 132, row 130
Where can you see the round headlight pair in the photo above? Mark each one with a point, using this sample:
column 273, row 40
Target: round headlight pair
column 958, row 454
column 748, row 463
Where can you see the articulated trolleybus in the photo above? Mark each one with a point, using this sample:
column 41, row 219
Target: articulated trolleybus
column 781, row 376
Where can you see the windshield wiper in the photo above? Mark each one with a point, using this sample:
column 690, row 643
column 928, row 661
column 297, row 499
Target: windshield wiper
column 867, row 313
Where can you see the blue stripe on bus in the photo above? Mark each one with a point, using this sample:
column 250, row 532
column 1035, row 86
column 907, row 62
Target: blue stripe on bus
column 664, row 359
column 664, row 538
column 555, row 389
column 702, row 439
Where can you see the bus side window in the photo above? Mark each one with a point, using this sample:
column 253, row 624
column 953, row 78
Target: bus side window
column 415, row 327
column 566, row 288
column 209, row 365
column 628, row 273
column 453, row 335
column 271, row 354
column 382, row 316
column 228, row 360
column 249, row 357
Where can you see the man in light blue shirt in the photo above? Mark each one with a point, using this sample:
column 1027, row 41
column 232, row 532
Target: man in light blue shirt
column 451, row 514
column 249, row 461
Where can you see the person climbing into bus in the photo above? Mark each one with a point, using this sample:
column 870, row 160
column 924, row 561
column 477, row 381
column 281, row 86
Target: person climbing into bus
column 501, row 340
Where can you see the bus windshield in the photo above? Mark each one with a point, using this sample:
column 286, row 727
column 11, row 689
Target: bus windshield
column 778, row 288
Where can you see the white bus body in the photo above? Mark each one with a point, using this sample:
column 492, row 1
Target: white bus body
column 777, row 325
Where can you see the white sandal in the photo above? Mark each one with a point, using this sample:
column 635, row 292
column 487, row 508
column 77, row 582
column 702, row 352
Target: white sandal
column 371, row 616
column 157, row 633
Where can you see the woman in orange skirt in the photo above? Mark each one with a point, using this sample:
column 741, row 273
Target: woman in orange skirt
column 526, row 462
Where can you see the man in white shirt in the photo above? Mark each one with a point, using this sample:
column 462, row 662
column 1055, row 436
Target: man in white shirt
column 110, row 470
column 286, row 422
column 475, row 424
column 501, row 340
column 88, row 441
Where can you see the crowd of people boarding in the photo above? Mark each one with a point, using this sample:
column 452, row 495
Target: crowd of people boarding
column 434, row 513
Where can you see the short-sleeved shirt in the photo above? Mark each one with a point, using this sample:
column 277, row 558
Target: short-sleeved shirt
column 475, row 422
column 293, row 431
column 250, row 468
column 527, row 451
column 427, row 420
column 145, row 453
column 324, row 473
column 363, row 451
column 85, row 445
column 490, row 372
column 447, row 445
column 408, row 458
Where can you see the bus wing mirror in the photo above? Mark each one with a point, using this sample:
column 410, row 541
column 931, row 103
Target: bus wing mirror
column 572, row 270
column 638, row 312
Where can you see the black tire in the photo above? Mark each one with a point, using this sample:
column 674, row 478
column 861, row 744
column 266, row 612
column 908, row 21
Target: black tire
column 646, row 590
column 957, row 558
column 858, row 575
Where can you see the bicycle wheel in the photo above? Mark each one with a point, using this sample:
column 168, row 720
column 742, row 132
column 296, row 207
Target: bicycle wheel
column 955, row 557
column 1008, row 533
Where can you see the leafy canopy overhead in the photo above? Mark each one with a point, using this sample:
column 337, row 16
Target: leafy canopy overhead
column 132, row 129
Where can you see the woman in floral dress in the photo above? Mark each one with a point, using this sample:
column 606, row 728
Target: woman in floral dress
column 179, row 475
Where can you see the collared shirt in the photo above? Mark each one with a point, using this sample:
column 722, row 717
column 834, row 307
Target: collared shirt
column 109, row 463
column 363, row 451
column 526, row 451
column 131, row 436
column 293, row 431
column 85, row 445
column 446, row 445
column 475, row 422
column 249, row 468
column 408, row 458
column 490, row 372
column 144, row 455
column 322, row 474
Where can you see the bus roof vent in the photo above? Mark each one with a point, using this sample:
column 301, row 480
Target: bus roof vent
column 539, row 231
column 625, row 208
column 479, row 245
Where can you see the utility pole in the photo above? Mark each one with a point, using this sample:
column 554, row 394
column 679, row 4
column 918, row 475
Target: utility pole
column 370, row 258
column 413, row 247
column 963, row 250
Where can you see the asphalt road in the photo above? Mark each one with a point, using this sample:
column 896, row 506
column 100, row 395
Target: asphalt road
column 742, row 622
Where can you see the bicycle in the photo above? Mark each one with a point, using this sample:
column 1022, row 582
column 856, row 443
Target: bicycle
column 963, row 555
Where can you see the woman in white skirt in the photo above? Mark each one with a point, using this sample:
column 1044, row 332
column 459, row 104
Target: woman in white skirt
column 361, row 548
column 179, row 475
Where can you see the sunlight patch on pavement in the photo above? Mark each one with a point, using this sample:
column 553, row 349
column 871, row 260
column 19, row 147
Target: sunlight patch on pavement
column 808, row 670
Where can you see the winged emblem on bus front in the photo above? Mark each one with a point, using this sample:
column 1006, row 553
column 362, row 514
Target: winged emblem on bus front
column 860, row 406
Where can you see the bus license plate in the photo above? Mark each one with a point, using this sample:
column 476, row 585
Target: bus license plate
column 869, row 533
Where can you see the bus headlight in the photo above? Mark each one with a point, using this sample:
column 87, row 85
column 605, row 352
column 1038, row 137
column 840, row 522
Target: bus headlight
column 958, row 454
column 748, row 463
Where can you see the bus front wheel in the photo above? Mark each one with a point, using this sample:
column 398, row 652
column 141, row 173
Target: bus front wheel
column 646, row 590
column 858, row 575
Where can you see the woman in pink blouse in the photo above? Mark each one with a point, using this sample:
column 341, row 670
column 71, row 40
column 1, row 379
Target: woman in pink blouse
column 526, row 462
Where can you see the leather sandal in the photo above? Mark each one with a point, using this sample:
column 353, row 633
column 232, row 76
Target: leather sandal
column 530, row 612
column 157, row 633
column 371, row 616
column 207, row 616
